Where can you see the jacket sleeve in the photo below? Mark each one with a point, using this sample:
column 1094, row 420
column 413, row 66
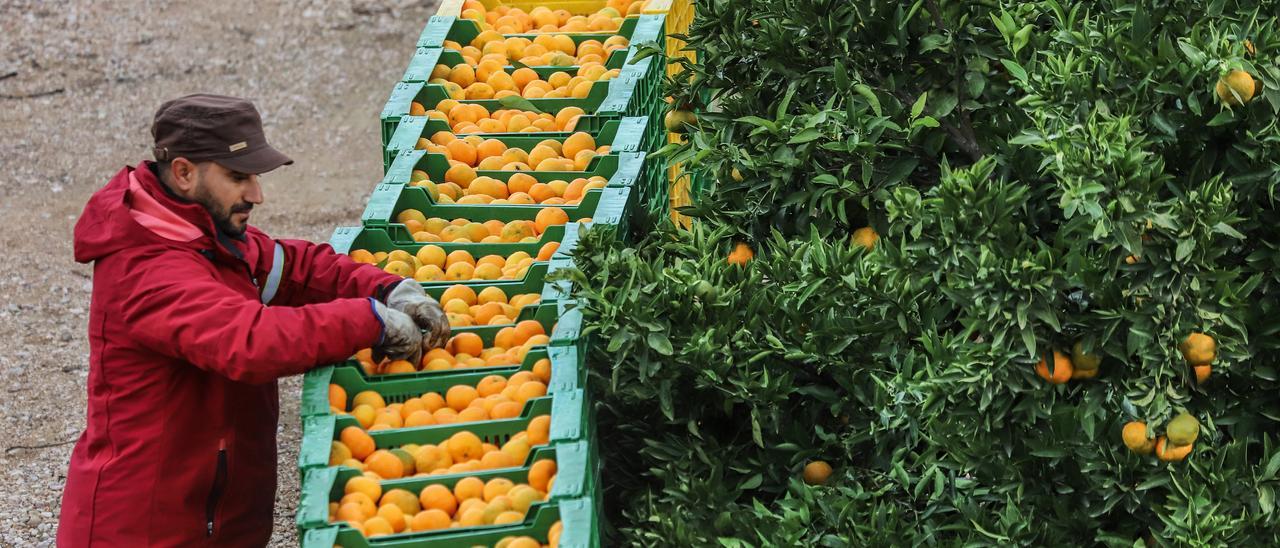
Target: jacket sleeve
column 314, row 273
column 176, row 307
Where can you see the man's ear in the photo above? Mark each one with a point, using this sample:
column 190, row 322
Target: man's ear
column 182, row 175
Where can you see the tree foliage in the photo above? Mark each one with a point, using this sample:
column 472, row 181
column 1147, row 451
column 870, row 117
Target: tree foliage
column 1040, row 173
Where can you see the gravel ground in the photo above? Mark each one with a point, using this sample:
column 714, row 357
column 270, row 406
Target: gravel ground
column 79, row 82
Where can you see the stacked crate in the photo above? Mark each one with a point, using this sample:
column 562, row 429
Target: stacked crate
column 524, row 395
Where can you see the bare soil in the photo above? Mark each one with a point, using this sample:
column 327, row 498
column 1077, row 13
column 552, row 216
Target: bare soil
column 79, row 82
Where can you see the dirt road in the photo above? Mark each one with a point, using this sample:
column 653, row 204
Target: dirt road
column 79, row 82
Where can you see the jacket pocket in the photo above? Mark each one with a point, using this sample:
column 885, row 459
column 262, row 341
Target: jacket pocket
column 215, row 491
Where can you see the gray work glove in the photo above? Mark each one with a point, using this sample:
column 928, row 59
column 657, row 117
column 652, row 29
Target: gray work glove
column 400, row 339
column 408, row 297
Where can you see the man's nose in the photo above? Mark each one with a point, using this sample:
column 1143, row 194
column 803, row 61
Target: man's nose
column 253, row 191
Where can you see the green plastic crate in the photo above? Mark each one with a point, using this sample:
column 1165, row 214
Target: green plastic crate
column 376, row 239
column 621, row 135
column 412, row 128
column 388, row 200
column 425, row 60
column 570, row 421
column 395, row 236
column 637, row 30
column 635, row 92
column 575, row 478
column 562, row 321
column 568, row 372
column 579, row 519
column 620, row 169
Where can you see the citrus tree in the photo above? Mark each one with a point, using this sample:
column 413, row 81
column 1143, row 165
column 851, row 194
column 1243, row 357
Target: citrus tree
column 1057, row 324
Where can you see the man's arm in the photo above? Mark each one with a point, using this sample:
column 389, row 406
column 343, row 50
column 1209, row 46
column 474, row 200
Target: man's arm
column 178, row 309
column 314, row 273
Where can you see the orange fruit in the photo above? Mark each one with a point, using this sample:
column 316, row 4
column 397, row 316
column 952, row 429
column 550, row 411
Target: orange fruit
column 1135, row 438
column 506, row 410
column 438, row 497
column 1199, row 349
column 1202, row 373
column 358, row 441
column 393, row 515
column 539, row 430
column 466, row 343
column 1062, row 369
column 540, row 474
column 548, row 217
column 521, row 182
column 430, row 458
column 465, row 446
column 469, row 488
column 1169, row 452
column 496, row 487
column 462, row 151
column 530, row 390
column 385, row 464
column 528, row 329
column 462, row 74
column 421, row 417
column 816, row 472
column 542, row 370
column 364, row 484
column 460, row 396
column 490, row 187
column 337, row 397
column 430, row 520
column 741, row 254
column 866, row 237
column 548, row 250
column 491, row 385
column 578, row 142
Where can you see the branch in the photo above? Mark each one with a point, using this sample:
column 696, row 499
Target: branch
column 964, row 134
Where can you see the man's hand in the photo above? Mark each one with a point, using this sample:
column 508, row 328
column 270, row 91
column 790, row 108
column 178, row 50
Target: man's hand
column 409, row 298
column 401, row 339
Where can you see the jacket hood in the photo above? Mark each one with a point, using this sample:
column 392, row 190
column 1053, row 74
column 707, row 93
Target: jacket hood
column 134, row 209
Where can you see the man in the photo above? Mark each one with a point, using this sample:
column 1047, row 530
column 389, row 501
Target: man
column 194, row 316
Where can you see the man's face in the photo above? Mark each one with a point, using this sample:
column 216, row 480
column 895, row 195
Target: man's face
column 227, row 195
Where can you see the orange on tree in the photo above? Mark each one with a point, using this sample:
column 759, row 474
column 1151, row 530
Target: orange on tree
column 1062, row 369
column 1135, row 438
column 816, row 472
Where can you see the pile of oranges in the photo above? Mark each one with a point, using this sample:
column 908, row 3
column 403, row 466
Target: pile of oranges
column 463, row 452
column 471, row 502
column 466, row 118
column 490, row 80
column 494, row 397
column 474, row 152
column 508, row 20
column 466, row 351
column 554, row 50
column 431, row 264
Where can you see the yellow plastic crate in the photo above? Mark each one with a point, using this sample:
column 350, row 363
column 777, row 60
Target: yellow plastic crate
column 679, row 17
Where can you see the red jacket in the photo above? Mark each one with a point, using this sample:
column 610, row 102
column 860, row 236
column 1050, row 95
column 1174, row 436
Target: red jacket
column 179, row 448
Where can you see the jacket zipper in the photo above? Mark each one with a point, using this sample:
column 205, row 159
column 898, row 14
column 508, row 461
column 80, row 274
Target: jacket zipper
column 219, row 484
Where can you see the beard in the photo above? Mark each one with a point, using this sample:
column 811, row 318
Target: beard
column 222, row 215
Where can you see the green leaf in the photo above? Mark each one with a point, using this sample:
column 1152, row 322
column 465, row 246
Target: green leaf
column 865, row 91
column 660, row 343
column 805, row 136
column 1015, row 69
column 1185, row 247
column 520, row 103
column 1222, row 118
column 1224, row 228
column 918, row 107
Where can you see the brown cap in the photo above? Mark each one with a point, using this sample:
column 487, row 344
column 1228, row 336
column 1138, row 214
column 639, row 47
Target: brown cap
column 227, row 130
